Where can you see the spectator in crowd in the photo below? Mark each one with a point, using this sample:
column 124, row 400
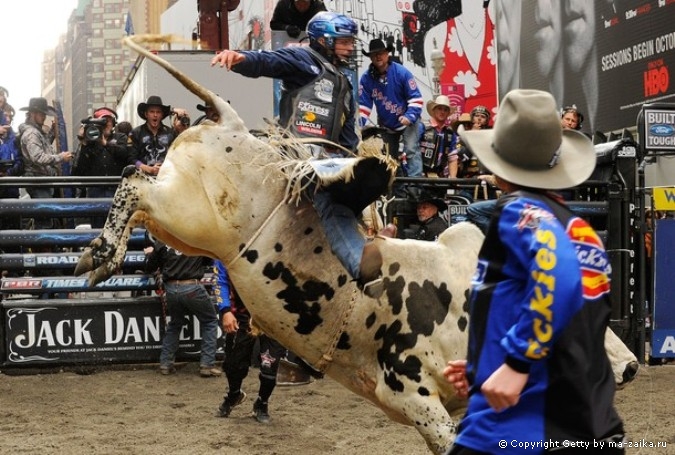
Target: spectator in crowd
column 11, row 164
column 239, row 344
column 331, row 47
column 536, row 359
column 293, row 15
column 125, row 129
column 184, row 295
column 571, row 118
column 210, row 113
column 39, row 157
column 4, row 105
column 467, row 164
column 392, row 89
column 152, row 139
column 438, row 140
column 581, row 58
column 431, row 225
column 102, row 152
column 181, row 120
column 480, row 118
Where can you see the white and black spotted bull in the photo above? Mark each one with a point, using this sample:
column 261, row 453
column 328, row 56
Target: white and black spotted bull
column 218, row 195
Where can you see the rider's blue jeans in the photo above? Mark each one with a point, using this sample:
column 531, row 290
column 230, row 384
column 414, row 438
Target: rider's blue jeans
column 342, row 231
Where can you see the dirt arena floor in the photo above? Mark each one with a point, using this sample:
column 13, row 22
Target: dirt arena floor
column 138, row 411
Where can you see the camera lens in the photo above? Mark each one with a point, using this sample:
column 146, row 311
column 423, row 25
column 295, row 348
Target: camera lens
column 185, row 120
column 92, row 133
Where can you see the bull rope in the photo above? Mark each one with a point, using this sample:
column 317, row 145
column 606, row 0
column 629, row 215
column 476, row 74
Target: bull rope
column 327, row 357
column 256, row 234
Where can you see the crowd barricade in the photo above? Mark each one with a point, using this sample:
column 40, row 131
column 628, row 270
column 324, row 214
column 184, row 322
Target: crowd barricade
column 49, row 317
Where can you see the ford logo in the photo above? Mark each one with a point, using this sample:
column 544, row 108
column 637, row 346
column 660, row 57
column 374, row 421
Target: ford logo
column 662, row 130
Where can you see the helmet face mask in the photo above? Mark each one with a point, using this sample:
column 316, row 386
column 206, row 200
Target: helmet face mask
column 330, row 26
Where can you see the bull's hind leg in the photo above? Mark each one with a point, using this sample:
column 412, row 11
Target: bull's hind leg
column 428, row 415
column 102, row 256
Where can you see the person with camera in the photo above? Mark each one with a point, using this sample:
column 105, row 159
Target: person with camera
column 102, row 152
column 181, row 120
column 152, row 139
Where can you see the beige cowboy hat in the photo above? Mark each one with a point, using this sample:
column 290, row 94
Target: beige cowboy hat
column 441, row 100
column 528, row 147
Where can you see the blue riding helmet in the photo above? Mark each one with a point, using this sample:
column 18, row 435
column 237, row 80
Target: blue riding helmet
column 329, row 25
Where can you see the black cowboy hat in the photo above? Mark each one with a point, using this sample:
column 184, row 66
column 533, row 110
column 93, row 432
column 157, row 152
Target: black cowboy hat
column 377, row 45
column 39, row 105
column 153, row 100
column 431, row 199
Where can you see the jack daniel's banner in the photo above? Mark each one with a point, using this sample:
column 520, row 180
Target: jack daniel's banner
column 89, row 331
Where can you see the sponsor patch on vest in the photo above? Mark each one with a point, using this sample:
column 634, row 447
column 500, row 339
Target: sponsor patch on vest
column 307, row 107
column 531, row 216
column 323, row 89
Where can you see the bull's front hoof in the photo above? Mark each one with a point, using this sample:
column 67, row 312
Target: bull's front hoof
column 629, row 373
column 98, row 275
column 85, row 264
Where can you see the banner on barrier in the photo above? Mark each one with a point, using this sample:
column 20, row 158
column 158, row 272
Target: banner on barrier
column 77, row 284
column 663, row 329
column 90, row 332
column 664, row 198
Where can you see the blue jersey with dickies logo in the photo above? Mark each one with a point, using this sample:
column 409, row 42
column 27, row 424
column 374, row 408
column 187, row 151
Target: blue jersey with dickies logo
column 540, row 303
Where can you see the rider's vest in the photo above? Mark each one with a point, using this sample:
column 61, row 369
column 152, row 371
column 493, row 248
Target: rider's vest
column 433, row 146
column 318, row 109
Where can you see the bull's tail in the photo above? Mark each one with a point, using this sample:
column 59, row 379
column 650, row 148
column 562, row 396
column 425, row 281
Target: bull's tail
column 228, row 116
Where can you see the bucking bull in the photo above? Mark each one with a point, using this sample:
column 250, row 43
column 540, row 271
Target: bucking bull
column 222, row 193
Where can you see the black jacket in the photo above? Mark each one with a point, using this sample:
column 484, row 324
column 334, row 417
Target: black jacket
column 95, row 159
column 175, row 265
column 286, row 14
column 431, row 228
